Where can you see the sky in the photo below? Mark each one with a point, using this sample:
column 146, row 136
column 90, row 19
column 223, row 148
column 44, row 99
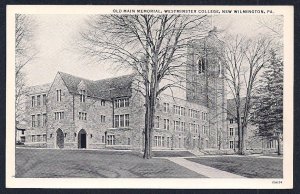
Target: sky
column 55, row 38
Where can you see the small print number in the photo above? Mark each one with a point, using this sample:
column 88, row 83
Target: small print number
column 276, row 182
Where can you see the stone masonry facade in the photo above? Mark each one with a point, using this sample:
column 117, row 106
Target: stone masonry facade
column 74, row 112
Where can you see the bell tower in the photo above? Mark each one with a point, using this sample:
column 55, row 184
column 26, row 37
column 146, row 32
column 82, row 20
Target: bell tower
column 206, row 84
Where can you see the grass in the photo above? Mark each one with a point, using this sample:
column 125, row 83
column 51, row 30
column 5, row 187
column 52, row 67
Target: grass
column 51, row 163
column 172, row 154
column 250, row 167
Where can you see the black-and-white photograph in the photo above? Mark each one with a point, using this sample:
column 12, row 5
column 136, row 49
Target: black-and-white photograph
column 150, row 93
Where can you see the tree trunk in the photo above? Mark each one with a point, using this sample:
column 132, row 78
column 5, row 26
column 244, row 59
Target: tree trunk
column 279, row 151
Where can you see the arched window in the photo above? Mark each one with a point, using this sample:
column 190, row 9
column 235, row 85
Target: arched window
column 201, row 65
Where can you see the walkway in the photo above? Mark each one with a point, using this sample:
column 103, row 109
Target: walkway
column 202, row 169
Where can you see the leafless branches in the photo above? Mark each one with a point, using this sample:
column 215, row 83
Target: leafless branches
column 244, row 59
column 24, row 54
column 153, row 46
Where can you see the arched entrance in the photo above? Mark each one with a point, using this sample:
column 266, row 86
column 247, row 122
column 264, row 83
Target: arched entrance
column 82, row 139
column 59, row 138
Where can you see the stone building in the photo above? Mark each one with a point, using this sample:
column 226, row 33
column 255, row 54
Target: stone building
column 254, row 143
column 73, row 112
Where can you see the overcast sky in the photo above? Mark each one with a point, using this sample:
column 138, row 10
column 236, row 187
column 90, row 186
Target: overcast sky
column 55, row 37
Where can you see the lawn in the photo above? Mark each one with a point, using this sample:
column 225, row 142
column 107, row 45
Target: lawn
column 51, row 163
column 250, row 167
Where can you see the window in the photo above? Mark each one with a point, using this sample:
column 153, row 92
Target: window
column 183, row 111
column 230, row 131
column 203, row 129
column 111, row 140
column 197, row 128
column 103, row 139
column 38, row 139
column 82, row 116
column 157, row 122
column 230, row 121
column 65, row 134
column 127, row 120
column 23, row 131
column 194, row 113
column 32, row 120
column 122, row 120
column 116, row 120
column 38, row 120
column 179, row 142
column 59, row 115
column 178, row 110
column 102, row 102
column 44, row 137
column 38, row 100
column 176, row 125
column 102, row 118
column 44, row 99
column 182, row 126
column 33, row 138
column 201, row 65
column 82, row 95
column 168, row 142
column 32, row 101
column 128, row 141
column 124, row 102
column 166, row 107
column 231, row 145
column 166, row 124
column 44, row 119
column 159, row 141
column 58, row 95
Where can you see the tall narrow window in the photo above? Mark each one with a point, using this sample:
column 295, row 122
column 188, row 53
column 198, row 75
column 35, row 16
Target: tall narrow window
column 38, row 100
column 157, row 122
column 32, row 120
column 82, row 95
column 231, row 131
column 231, row 144
column 38, row 120
column 127, row 120
column 122, row 120
column 116, row 120
column 44, row 119
column 44, row 99
column 122, row 102
column 58, row 95
column 32, row 101
column 126, row 102
column 102, row 102
column 166, row 124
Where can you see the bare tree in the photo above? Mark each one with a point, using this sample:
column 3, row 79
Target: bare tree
column 243, row 60
column 24, row 54
column 154, row 46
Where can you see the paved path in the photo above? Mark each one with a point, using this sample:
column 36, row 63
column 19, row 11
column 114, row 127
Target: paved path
column 202, row 169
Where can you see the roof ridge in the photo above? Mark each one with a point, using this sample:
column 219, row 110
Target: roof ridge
column 115, row 77
column 60, row 72
column 40, row 85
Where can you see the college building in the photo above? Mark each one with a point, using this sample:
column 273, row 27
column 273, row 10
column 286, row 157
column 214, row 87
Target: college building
column 73, row 112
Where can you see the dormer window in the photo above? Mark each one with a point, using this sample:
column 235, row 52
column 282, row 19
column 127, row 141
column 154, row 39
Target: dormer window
column 82, row 95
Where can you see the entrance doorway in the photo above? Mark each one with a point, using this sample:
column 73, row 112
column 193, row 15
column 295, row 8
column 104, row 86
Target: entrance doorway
column 59, row 138
column 82, row 139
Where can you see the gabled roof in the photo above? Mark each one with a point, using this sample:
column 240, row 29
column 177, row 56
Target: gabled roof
column 44, row 88
column 105, row 88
